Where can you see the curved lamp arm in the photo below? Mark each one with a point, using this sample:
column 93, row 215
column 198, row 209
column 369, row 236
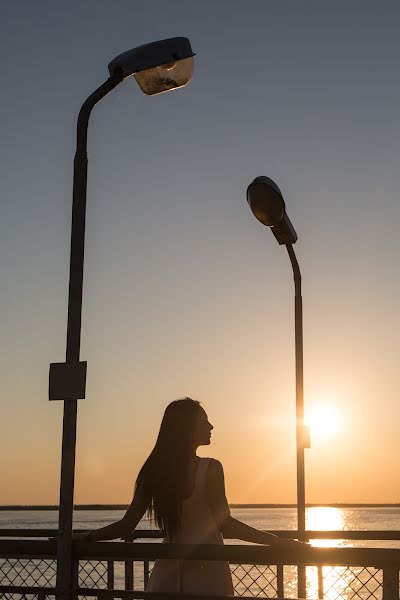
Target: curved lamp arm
column 296, row 269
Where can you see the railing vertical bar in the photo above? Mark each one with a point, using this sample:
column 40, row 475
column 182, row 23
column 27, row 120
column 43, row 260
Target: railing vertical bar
column 146, row 572
column 320, row 582
column 129, row 574
column 280, row 582
column 390, row 583
column 74, row 579
column 41, row 595
column 301, row 581
column 110, row 574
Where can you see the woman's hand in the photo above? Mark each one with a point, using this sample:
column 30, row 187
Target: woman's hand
column 289, row 543
column 83, row 536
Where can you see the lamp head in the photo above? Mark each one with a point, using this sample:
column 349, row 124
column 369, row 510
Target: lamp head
column 157, row 67
column 266, row 201
column 268, row 206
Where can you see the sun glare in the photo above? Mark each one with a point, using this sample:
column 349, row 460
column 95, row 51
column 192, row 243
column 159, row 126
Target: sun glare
column 323, row 421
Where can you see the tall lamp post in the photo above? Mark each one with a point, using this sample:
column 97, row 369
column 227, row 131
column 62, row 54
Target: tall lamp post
column 267, row 204
column 157, row 67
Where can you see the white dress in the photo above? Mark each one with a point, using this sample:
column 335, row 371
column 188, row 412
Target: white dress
column 205, row 578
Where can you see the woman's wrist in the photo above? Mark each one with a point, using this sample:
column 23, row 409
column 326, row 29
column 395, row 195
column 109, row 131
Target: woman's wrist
column 266, row 537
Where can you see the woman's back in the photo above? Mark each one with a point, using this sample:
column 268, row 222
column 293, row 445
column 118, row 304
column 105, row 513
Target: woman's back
column 197, row 523
column 197, row 526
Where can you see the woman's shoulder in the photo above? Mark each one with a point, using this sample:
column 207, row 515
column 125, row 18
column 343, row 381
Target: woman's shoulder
column 210, row 459
column 213, row 465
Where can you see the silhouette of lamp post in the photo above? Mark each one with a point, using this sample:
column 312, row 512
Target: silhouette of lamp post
column 157, row 67
column 267, row 204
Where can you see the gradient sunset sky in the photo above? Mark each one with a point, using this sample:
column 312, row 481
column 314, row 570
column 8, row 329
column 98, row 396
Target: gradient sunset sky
column 185, row 293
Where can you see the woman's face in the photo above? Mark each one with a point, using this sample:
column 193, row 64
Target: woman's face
column 202, row 432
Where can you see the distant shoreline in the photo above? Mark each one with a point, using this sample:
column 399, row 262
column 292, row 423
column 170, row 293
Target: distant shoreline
column 125, row 506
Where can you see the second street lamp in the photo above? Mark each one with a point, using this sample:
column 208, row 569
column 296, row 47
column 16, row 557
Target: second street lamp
column 268, row 206
column 157, row 67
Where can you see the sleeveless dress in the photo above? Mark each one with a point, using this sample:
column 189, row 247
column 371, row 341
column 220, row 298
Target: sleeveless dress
column 203, row 578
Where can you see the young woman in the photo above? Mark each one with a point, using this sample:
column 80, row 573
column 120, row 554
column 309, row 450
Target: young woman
column 185, row 495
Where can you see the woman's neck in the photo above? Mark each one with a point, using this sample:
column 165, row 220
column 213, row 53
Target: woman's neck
column 193, row 455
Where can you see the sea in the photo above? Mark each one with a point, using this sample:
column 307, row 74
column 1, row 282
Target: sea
column 277, row 518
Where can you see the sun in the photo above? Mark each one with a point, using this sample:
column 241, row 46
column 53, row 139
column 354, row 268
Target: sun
column 323, row 421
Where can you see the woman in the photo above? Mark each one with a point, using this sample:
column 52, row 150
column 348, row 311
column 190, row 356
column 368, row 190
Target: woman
column 185, row 495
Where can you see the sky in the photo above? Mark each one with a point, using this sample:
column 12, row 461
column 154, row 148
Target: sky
column 185, row 293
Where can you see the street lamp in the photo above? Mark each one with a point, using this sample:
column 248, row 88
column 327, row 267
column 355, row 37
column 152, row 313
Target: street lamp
column 267, row 204
column 157, row 67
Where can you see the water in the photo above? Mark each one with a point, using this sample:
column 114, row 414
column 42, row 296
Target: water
column 318, row 518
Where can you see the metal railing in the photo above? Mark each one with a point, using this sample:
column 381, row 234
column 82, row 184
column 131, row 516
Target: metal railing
column 142, row 534
column 108, row 570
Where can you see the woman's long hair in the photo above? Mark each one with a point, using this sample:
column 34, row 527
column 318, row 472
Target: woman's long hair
column 163, row 475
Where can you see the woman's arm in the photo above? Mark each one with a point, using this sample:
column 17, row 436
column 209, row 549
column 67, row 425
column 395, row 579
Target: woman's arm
column 236, row 529
column 124, row 526
column 228, row 525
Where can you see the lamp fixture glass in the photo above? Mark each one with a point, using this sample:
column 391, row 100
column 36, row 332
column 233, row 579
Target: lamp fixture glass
column 268, row 206
column 266, row 201
column 166, row 77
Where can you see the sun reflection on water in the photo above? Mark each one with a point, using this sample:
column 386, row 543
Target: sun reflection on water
column 324, row 518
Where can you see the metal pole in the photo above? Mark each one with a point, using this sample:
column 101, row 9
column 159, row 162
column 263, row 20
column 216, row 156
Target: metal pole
column 64, row 540
column 300, row 441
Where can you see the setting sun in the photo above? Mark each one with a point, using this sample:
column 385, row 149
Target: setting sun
column 323, row 421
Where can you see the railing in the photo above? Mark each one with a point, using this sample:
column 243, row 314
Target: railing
column 357, row 534
column 109, row 570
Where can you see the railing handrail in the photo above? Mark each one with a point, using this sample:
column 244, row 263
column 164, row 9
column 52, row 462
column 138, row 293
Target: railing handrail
column 249, row 554
column 354, row 534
